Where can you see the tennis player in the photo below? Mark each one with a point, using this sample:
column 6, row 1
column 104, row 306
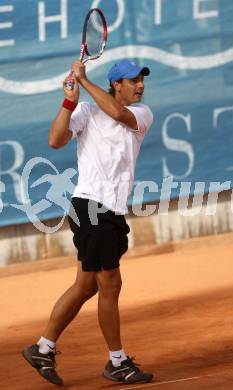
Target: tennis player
column 109, row 134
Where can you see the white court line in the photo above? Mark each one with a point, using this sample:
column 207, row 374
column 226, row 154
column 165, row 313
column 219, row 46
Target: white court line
column 165, row 382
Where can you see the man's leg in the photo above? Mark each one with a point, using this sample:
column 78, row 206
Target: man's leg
column 69, row 304
column 119, row 368
column 42, row 356
column 109, row 285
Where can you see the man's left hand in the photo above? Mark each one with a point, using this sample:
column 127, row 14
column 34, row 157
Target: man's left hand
column 79, row 70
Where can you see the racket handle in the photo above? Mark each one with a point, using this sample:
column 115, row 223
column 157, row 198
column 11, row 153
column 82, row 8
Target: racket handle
column 70, row 83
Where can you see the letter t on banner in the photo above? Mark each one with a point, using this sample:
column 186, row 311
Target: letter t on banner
column 62, row 18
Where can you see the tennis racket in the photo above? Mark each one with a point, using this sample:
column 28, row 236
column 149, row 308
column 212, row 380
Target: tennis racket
column 94, row 37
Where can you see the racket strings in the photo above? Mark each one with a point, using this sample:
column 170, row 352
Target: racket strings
column 94, row 34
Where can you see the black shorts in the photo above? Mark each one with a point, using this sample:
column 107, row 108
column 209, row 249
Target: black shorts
column 100, row 245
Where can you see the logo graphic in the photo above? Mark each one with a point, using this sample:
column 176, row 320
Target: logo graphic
column 60, row 185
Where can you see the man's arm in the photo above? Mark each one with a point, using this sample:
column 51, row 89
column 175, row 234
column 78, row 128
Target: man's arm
column 59, row 133
column 103, row 99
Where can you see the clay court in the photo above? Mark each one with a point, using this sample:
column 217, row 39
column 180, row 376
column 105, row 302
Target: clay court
column 177, row 319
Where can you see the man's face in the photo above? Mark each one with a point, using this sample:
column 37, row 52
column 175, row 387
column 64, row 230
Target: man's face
column 130, row 90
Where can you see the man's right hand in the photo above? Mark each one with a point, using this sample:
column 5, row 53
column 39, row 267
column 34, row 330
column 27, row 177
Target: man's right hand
column 71, row 94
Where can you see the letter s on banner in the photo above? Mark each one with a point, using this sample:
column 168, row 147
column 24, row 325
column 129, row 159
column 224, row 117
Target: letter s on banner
column 120, row 15
column 178, row 145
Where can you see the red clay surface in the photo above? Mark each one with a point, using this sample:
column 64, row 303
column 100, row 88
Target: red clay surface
column 177, row 319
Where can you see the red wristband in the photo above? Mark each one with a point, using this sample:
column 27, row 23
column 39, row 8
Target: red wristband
column 69, row 104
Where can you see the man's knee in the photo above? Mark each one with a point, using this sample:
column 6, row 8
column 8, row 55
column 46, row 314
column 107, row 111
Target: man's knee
column 111, row 286
column 85, row 292
column 90, row 292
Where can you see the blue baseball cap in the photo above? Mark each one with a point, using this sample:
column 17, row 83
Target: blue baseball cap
column 126, row 69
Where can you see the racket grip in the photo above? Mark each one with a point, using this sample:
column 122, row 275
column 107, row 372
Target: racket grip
column 70, row 83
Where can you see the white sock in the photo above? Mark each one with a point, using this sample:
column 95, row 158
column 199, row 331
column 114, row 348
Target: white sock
column 117, row 357
column 46, row 346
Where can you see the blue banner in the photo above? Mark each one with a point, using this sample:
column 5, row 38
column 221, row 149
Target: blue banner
column 188, row 46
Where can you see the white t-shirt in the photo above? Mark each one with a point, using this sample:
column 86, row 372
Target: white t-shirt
column 107, row 151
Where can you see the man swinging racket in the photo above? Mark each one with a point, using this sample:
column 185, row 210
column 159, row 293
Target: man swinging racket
column 109, row 134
